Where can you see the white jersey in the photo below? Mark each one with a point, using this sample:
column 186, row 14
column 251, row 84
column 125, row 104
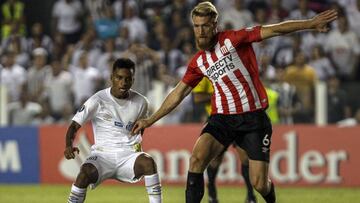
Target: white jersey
column 112, row 119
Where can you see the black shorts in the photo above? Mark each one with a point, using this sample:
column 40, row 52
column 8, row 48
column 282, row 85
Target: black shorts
column 251, row 131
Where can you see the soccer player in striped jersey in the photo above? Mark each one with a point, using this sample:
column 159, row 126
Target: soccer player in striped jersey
column 239, row 100
column 116, row 154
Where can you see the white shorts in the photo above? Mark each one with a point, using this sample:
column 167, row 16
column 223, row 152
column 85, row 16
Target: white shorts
column 114, row 165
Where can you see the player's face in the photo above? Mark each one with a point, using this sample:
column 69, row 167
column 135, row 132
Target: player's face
column 122, row 80
column 204, row 30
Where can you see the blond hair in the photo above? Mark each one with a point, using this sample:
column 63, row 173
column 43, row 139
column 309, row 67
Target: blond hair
column 205, row 8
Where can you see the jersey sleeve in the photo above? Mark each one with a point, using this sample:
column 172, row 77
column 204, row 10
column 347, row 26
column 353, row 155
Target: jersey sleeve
column 87, row 111
column 144, row 111
column 193, row 75
column 246, row 35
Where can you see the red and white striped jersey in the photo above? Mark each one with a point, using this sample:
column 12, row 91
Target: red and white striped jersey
column 232, row 69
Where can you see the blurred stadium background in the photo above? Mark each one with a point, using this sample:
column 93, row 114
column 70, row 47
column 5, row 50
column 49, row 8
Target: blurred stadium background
column 57, row 53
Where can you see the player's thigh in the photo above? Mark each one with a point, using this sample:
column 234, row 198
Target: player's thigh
column 125, row 167
column 104, row 164
column 244, row 158
column 206, row 148
column 144, row 165
column 257, row 143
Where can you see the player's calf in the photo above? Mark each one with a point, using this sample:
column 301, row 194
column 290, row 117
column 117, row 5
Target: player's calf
column 146, row 166
column 88, row 174
column 270, row 197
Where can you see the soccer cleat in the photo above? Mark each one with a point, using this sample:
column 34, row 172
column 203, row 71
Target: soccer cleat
column 250, row 200
column 211, row 200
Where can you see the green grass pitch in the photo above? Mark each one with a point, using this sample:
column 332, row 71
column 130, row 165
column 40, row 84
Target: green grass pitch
column 123, row 193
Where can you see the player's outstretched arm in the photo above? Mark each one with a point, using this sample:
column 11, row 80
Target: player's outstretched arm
column 69, row 152
column 318, row 22
column 171, row 101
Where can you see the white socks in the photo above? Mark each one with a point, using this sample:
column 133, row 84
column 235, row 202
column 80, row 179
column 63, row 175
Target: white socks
column 152, row 183
column 153, row 187
column 77, row 195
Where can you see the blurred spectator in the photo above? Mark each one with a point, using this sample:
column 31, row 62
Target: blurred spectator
column 303, row 77
column 311, row 39
column 288, row 101
column 337, row 104
column 109, row 53
column 58, row 90
column 184, row 36
column 237, row 16
column 13, row 76
column 13, row 18
column 260, row 16
column 353, row 14
column 39, row 39
column 122, row 41
column 135, row 25
column 181, row 6
column 44, row 117
column 284, row 54
column 175, row 24
column 107, row 26
column 159, row 32
column 119, row 7
column 67, row 19
column 171, row 58
column 59, row 48
column 36, row 75
column 322, row 65
column 96, row 9
column 23, row 111
column 302, row 12
column 18, row 46
column 265, row 67
column 147, row 64
column 223, row 6
column 276, row 12
column 88, row 43
column 344, row 49
column 87, row 80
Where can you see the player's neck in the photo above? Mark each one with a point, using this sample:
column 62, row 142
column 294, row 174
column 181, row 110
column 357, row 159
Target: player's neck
column 123, row 96
column 211, row 45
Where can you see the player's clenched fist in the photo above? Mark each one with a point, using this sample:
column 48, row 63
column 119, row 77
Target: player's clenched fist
column 69, row 152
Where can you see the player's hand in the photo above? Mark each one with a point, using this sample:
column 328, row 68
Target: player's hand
column 320, row 21
column 139, row 126
column 69, row 152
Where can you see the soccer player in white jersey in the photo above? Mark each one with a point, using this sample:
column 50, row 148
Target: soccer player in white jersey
column 239, row 100
column 115, row 154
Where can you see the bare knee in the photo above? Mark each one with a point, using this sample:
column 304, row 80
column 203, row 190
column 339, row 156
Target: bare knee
column 197, row 164
column 144, row 165
column 88, row 174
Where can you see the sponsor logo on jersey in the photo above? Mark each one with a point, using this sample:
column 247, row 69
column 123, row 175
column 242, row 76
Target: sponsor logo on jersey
column 220, row 67
column 224, row 50
column 129, row 126
column 107, row 117
column 81, row 108
column 118, row 124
